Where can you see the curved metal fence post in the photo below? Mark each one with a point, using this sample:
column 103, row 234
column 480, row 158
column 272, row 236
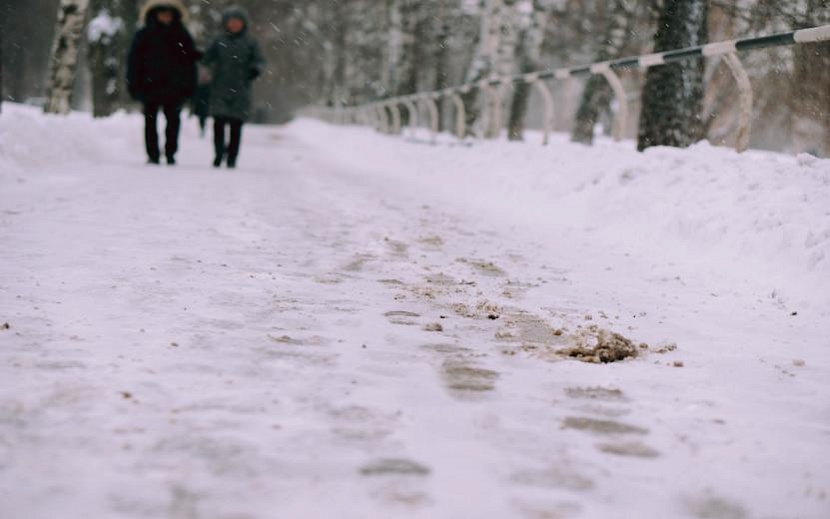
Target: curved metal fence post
column 387, row 118
column 498, row 121
column 374, row 117
column 486, row 101
column 380, row 117
column 413, row 115
column 745, row 90
column 396, row 117
column 547, row 101
column 460, row 116
column 621, row 118
column 491, row 99
column 433, row 115
column 384, row 118
column 493, row 121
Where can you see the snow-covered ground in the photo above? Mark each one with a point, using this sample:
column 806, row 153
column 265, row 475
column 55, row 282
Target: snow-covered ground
column 360, row 326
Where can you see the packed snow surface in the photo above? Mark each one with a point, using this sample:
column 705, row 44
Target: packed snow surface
column 353, row 325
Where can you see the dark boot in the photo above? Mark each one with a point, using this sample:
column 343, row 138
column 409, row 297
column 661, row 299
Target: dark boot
column 172, row 112
column 236, row 140
column 151, row 136
column 219, row 140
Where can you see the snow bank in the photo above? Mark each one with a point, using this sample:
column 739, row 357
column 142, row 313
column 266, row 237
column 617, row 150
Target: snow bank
column 31, row 141
column 759, row 216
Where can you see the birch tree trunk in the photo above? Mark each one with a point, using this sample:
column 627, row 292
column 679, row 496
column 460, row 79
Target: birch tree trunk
column 529, row 55
column 105, row 35
column 403, row 49
column 443, row 16
column 597, row 96
column 336, row 54
column 65, row 49
column 495, row 52
column 366, row 30
column 401, row 45
column 673, row 93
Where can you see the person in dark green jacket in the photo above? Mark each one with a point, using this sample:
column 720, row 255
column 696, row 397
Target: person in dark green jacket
column 235, row 61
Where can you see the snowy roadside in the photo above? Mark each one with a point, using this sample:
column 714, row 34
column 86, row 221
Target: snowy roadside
column 762, row 216
column 354, row 325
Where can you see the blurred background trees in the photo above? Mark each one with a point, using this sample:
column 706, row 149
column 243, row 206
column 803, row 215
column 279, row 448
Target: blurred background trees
column 341, row 52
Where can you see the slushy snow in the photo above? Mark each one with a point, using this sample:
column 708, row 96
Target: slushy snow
column 354, row 325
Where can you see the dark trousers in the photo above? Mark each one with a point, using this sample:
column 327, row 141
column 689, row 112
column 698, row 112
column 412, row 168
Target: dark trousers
column 232, row 151
column 172, row 112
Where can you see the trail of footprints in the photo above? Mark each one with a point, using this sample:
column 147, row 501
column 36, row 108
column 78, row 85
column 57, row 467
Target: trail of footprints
column 598, row 409
column 595, row 413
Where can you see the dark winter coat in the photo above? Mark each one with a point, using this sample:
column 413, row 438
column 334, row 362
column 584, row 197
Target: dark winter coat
column 201, row 101
column 161, row 66
column 235, row 61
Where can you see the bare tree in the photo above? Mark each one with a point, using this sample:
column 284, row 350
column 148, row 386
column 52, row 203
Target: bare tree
column 673, row 93
column 399, row 70
column 65, row 49
column 495, row 52
column 810, row 96
column 529, row 55
column 106, row 35
column 596, row 98
column 1, row 60
column 364, row 35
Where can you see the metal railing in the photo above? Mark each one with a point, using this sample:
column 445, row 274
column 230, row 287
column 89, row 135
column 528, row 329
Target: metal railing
column 385, row 115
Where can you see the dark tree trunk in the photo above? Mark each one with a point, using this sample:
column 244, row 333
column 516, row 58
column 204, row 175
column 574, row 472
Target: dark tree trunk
column 108, row 40
column 1, row 63
column 597, row 96
column 810, row 95
column 442, row 56
column 129, row 13
column 529, row 53
column 103, row 63
column 518, row 109
column 521, row 94
column 673, row 93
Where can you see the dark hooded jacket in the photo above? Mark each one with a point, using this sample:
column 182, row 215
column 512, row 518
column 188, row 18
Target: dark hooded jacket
column 235, row 60
column 161, row 66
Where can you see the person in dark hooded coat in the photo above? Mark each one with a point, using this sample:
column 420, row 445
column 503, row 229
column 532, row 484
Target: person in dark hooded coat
column 235, row 60
column 161, row 72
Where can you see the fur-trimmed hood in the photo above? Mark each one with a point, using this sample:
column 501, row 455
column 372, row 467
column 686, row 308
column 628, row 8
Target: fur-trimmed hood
column 151, row 6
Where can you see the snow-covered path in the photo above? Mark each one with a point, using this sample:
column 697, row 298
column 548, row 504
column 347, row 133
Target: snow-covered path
column 326, row 332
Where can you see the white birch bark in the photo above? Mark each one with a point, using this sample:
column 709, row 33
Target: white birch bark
column 65, row 49
column 529, row 57
column 496, row 51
